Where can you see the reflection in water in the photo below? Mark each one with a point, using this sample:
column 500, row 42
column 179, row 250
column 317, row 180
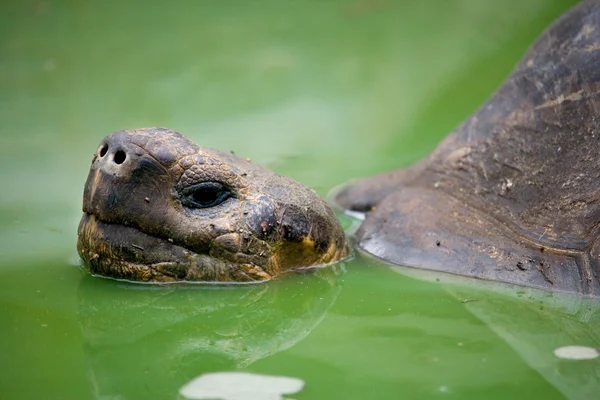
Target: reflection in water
column 385, row 334
column 535, row 323
column 143, row 339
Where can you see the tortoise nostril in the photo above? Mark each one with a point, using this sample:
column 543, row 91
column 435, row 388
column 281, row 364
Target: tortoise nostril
column 103, row 150
column 120, row 157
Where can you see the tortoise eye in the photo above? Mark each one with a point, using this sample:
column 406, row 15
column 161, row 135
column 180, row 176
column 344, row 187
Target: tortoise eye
column 205, row 195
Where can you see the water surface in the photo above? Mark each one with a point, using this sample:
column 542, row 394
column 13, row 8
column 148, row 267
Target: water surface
column 321, row 91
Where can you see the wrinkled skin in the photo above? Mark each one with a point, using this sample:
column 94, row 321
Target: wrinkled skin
column 159, row 208
column 513, row 194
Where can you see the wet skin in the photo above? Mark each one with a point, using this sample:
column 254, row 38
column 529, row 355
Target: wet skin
column 159, row 208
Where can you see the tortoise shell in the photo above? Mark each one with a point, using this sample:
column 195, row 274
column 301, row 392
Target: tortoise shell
column 513, row 194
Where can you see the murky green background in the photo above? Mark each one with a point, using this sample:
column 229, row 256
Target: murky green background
column 323, row 91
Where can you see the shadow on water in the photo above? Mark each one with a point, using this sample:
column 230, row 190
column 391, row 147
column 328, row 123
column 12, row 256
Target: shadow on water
column 153, row 339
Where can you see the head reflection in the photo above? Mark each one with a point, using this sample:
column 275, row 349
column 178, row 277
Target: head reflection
column 141, row 339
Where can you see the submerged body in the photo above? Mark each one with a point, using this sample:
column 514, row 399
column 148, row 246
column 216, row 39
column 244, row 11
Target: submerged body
column 512, row 195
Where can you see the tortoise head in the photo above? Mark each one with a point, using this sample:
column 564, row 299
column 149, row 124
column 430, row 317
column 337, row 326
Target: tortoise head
column 159, row 208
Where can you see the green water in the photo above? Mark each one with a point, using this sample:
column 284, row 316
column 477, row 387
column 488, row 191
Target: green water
column 323, row 91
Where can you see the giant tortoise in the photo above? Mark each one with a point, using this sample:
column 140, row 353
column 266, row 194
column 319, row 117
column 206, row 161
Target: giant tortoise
column 512, row 195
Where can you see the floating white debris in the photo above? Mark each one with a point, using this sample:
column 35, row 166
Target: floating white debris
column 240, row 386
column 576, row 352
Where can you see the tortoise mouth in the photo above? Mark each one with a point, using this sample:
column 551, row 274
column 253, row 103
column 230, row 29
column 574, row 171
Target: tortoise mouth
column 125, row 253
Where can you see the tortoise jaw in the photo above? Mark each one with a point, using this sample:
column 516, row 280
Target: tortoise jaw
column 126, row 253
column 122, row 252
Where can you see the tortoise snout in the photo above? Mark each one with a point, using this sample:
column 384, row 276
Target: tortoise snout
column 117, row 156
column 114, row 153
column 124, row 181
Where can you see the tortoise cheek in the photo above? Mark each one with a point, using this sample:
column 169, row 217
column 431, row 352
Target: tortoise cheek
column 260, row 218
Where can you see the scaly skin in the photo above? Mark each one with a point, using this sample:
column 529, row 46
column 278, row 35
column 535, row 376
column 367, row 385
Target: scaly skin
column 137, row 224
